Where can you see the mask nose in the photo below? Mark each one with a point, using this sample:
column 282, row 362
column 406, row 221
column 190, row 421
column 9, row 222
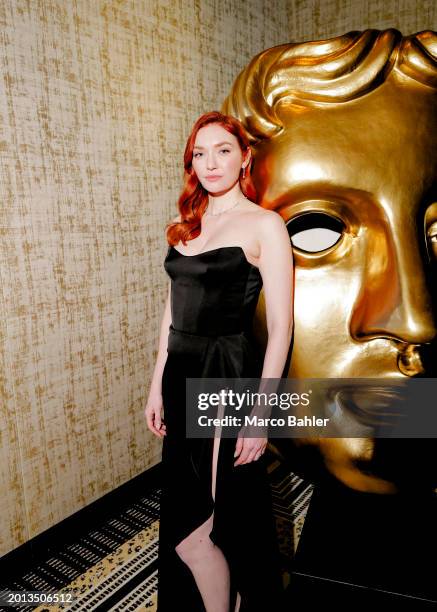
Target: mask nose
column 397, row 301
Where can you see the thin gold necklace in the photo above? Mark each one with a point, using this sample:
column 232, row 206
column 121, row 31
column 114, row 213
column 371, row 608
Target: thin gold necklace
column 211, row 214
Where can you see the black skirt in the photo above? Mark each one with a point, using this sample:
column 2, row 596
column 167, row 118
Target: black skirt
column 244, row 526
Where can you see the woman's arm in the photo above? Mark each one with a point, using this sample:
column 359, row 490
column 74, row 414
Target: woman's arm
column 156, row 386
column 154, row 404
column 276, row 267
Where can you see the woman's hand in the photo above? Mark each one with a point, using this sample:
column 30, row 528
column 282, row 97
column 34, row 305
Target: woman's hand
column 152, row 413
column 249, row 449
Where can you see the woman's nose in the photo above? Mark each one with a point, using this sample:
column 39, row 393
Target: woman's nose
column 211, row 161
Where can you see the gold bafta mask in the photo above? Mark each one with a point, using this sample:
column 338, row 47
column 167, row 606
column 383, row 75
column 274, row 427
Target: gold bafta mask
column 344, row 135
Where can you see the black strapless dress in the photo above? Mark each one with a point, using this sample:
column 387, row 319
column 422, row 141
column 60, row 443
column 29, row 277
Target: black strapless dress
column 213, row 300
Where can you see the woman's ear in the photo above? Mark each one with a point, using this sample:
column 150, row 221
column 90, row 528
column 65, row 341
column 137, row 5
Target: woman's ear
column 247, row 157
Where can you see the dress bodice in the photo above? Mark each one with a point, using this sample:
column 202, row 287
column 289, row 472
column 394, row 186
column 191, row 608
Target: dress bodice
column 214, row 292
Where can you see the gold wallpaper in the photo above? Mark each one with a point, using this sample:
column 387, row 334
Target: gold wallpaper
column 317, row 19
column 96, row 101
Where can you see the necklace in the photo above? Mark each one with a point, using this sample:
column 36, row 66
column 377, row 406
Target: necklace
column 211, row 214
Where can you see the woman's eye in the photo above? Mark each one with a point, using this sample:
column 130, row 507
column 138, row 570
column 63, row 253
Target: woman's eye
column 197, row 154
column 313, row 232
column 224, row 151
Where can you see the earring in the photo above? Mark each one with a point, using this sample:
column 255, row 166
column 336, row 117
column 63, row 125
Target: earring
column 244, row 171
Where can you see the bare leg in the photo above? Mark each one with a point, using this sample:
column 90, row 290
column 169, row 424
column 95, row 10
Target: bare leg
column 206, row 560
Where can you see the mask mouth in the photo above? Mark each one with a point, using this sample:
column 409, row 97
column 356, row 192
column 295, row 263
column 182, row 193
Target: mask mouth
column 372, row 406
column 419, row 360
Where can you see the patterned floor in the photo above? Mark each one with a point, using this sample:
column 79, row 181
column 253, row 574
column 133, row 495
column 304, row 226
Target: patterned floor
column 114, row 567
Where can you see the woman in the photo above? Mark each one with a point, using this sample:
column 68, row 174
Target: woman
column 217, row 548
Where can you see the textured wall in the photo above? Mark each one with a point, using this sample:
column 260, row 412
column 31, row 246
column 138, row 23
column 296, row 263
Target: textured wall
column 317, row 19
column 96, row 101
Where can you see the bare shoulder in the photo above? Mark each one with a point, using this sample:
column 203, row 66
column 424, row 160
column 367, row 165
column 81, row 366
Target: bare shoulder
column 261, row 219
column 271, row 220
column 264, row 225
column 272, row 230
column 268, row 221
column 254, row 211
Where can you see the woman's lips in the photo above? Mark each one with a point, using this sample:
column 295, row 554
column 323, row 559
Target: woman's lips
column 213, row 178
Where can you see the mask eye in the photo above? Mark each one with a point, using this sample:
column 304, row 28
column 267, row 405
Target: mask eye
column 313, row 232
column 430, row 227
column 432, row 239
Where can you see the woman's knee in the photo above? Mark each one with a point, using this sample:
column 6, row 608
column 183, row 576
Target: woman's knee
column 196, row 545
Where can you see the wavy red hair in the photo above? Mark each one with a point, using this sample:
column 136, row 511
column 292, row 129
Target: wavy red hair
column 193, row 200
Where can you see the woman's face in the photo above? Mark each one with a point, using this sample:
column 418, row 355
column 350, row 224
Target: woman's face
column 217, row 158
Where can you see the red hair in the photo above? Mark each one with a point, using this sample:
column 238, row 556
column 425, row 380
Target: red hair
column 193, row 200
